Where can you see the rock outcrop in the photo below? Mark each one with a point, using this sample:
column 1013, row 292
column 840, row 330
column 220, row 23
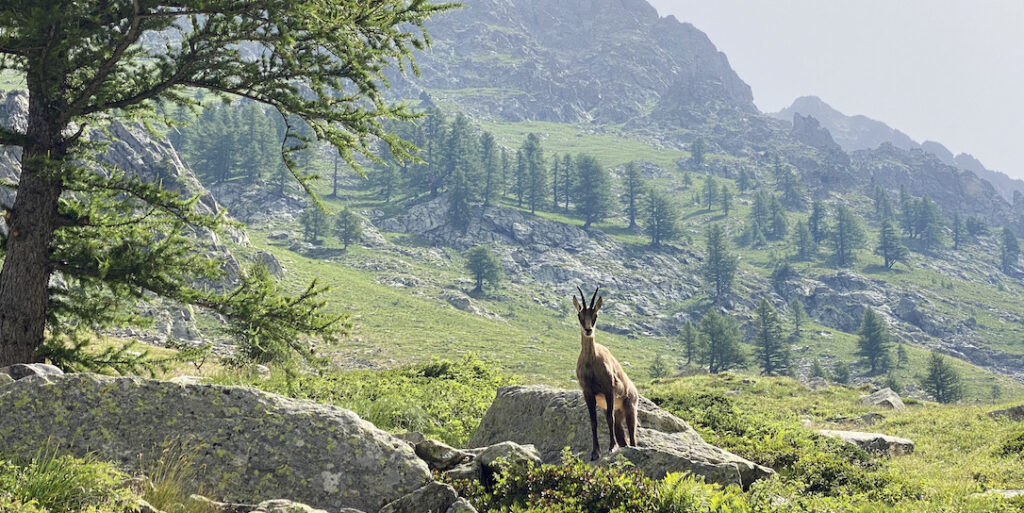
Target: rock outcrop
column 552, row 419
column 250, row 445
column 885, row 398
column 875, row 443
column 1015, row 413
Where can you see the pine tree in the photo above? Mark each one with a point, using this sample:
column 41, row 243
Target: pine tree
column 883, row 204
column 662, row 218
column 817, row 221
column 633, row 185
column 347, row 227
column 941, row 380
column 536, row 172
column 726, row 199
column 484, row 266
column 459, row 196
column 841, row 373
column 489, row 159
column 698, row 150
column 928, row 223
column 817, row 371
column 314, row 223
column 743, row 181
column 658, row 369
column 796, row 310
column 571, row 178
column 556, row 176
column 806, row 248
column 720, row 342
column 772, row 351
column 719, row 263
column 521, row 179
column 691, row 341
column 902, row 358
column 873, row 343
column 959, row 231
column 593, row 191
column 1009, row 250
column 787, row 182
column 779, row 225
column 710, row 191
column 890, row 248
column 846, row 237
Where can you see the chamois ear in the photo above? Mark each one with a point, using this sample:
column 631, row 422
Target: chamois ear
column 576, row 303
column 597, row 306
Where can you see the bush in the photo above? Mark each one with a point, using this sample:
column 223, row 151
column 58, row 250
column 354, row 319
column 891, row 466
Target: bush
column 578, row 487
column 51, row 483
column 443, row 399
column 1013, row 445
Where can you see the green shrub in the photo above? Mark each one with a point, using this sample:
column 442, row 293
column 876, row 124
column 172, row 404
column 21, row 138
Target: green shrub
column 443, row 399
column 578, row 487
column 1013, row 445
column 59, row 484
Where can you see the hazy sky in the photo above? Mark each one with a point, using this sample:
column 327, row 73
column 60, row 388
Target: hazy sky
column 941, row 70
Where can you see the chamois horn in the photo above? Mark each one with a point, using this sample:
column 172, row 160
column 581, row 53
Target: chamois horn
column 582, row 297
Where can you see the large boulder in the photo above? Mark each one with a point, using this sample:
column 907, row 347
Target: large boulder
column 24, row 370
column 552, row 419
column 876, row 443
column 1015, row 413
column 251, row 446
column 885, row 398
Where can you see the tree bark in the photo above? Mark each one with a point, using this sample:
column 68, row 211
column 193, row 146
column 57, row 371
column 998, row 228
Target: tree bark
column 25, row 276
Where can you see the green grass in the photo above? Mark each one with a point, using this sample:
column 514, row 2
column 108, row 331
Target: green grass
column 51, row 483
column 609, row 147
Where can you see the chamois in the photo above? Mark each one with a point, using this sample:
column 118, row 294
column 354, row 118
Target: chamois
column 603, row 381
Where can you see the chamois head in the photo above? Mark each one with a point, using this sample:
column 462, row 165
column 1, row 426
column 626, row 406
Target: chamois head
column 587, row 314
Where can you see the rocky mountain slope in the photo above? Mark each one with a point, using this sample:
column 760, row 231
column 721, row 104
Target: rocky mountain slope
column 604, row 61
column 854, row 133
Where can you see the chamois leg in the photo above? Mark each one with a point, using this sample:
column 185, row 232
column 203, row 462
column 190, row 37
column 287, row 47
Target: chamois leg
column 629, row 412
column 610, row 415
column 592, row 409
column 620, row 428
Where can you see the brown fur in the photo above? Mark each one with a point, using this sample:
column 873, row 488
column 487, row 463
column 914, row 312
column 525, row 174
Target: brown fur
column 601, row 377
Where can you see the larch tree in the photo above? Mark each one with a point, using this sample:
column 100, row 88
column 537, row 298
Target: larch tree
column 116, row 239
column 941, row 380
column 721, row 347
column 662, row 219
column 633, row 185
column 890, row 248
column 1009, row 250
column 874, row 342
column 773, row 355
column 719, row 263
column 846, row 236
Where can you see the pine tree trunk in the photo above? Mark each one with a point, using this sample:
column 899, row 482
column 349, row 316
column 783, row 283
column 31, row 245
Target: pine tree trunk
column 31, row 222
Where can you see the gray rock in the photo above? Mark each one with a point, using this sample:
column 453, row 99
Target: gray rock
column 412, row 437
column 1009, row 494
column 433, row 498
column 278, row 235
column 270, row 262
column 552, row 419
column 461, row 506
column 440, row 456
column 472, row 470
column 24, row 370
column 1015, row 413
column 510, row 452
column 885, row 398
column 141, row 506
column 659, row 462
column 876, row 443
column 207, row 504
column 870, row 419
column 284, row 506
column 252, row 445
